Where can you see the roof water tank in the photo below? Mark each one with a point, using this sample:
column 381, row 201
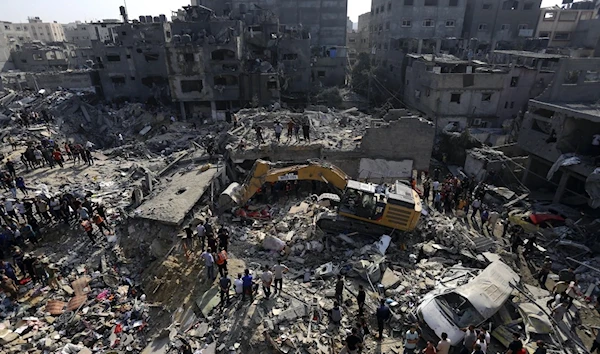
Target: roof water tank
column 186, row 38
column 176, row 38
column 142, row 19
column 163, row 18
column 149, row 19
column 156, row 19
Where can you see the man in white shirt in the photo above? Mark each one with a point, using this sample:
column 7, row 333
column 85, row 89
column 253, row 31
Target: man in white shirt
column 209, row 263
column 267, row 279
column 411, row 338
column 443, row 346
column 279, row 269
column 482, row 343
column 238, row 284
column 201, row 230
column 436, row 186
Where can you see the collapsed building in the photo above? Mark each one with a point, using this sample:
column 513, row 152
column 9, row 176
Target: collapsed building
column 207, row 63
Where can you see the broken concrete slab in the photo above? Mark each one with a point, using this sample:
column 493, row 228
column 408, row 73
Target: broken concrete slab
column 208, row 301
column 173, row 203
column 390, row 279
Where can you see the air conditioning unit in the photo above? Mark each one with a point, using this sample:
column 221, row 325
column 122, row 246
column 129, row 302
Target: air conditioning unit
column 476, row 122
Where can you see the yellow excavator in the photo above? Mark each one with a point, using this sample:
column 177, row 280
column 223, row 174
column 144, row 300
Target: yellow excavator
column 364, row 207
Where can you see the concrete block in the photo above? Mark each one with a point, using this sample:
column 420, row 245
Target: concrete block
column 390, row 279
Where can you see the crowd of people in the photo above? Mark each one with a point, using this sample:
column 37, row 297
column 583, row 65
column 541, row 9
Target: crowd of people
column 48, row 153
column 23, row 224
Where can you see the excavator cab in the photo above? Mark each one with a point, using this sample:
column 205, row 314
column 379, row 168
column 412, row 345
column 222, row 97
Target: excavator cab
column 362, row 200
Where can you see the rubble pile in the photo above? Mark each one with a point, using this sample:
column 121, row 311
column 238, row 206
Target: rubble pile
column 333, row 129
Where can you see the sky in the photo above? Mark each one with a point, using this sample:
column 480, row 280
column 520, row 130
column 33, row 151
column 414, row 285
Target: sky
column 65, row 11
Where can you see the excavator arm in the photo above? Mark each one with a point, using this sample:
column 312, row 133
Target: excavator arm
column 265, row 171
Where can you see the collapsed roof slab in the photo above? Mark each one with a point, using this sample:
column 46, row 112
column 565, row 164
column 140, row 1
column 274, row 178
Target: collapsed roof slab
column 173, row 203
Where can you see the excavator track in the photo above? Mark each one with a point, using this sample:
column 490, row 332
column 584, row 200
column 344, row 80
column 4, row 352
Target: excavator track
column 334, row 224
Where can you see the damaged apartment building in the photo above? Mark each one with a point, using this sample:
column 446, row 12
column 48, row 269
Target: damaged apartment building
column 209, row 61
column 470, row 94
column 561, row 133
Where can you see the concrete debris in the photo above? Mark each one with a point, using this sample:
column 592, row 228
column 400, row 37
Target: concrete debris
column 148, row 284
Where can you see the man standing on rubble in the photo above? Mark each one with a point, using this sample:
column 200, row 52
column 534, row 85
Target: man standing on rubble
column 201, row 231
column 469, row 340
column 516, row 345
column 267, row 280
column 360, row 299
column 279, row 269
column 475, row 206
column 306, row 129
column 411, row 338
column 383, row 314
column 339, row 289
column 222, row 261
column 278, row 129
column 247, row 286
column 209, row 263
column 223, row 235
column 225, row 285
column 259, row 136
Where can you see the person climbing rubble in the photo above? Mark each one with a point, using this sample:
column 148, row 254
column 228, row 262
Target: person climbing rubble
column 278, row 128
column 278, row 270
column 267, row 280
column 221, row 261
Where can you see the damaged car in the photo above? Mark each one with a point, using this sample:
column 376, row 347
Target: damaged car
column 450, row 310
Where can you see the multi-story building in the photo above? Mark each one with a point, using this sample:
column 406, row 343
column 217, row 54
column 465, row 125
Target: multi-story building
column 559, row 25
column 12, row 37
column 564, row 121
column 394, row 24
column 82, row 34
column 207, row 64
column 453, row 92
column 45, row 31
column 500, row 23
column 134, row 68
column 325, row 21
column 527, row 75
column 39, row 56
column 363, row 45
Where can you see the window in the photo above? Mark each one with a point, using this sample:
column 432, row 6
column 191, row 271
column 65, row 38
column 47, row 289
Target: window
column 376, row 10
column 391, row 68
column 591, row 76
column 568, row 16
column 118, row 80
column 382, row 9
column 562, row 36
column 528, row 6
column 128, row 56
column 428, row 23
column 510, row 5
column 406, row 23
column 544, row 34
column 191, row 85
column 453, row 3
column 113, row 57
column 408, row 2
column 514, row 81
column 572, row 77
column 387, row 26
column 132, row 78
column 482, row 27
column 486, row 97
column 168, row 34
column 431, row 3
column 321, row 73
column 512, row 104
column 455, row 97
column 389, row 6
column 549, row 15
column 188, row 57
column 523, row 26
column 506, row 105
column 385, row 46
column 504, row 27
column 449, row 23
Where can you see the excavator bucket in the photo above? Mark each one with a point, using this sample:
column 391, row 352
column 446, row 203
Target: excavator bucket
column 230, row 196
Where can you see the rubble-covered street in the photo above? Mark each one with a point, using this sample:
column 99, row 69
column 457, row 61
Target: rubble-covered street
column 106, row 243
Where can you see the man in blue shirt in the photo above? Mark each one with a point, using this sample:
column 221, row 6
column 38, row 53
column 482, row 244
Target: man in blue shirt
column 383, row 314
column 247, row 285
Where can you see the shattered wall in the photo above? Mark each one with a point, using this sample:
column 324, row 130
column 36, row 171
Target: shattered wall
column 65, row 79
column 407, row 138
column 135, row 67
column 573, row 83
column 294, row 55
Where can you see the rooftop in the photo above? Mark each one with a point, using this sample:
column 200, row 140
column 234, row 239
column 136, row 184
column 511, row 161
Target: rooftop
column 591, row 109
column 526, row 54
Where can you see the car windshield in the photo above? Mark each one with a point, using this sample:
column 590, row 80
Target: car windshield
column 459, row 310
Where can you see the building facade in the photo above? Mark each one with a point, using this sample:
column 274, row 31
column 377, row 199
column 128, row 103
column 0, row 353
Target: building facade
column 395, row 22
column 559, row 25
column 45, row 31
column 455, row 94
column 496, row 24
column 564, row 119
column 82, row 34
